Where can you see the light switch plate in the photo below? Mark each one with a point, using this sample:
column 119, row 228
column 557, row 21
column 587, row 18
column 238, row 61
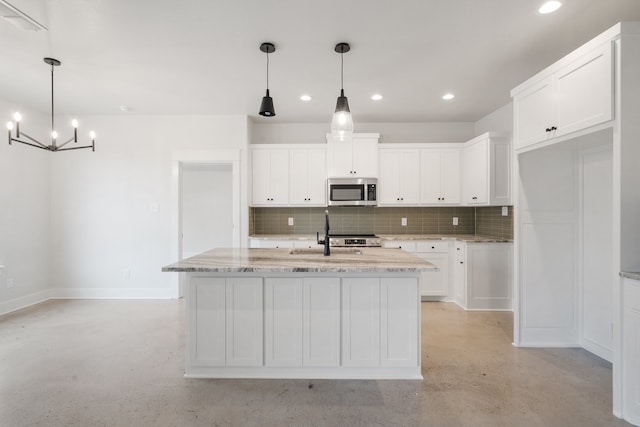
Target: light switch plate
column 505, row 211
column 403, row 222
column 290, row 221
column 455, row 220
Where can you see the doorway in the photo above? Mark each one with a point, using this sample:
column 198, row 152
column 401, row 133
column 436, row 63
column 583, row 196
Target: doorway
column 206, row 204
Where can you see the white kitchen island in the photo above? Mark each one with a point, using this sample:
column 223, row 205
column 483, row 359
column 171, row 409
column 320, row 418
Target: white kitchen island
column 269, row 313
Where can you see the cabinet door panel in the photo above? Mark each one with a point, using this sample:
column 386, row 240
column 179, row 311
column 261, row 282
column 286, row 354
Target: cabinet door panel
column 399, row 322
column 435, row 283
column 280, row 177
column 389, row 185
column 535, row 112
column 361, row 322
column 261, row 176
column 321, row 345
column 299, row 177
column 244, row 321
column 316, row 178
column 207, row 321
column 409, row 168
column 475, row 173
column 585, row 92
column 283, row 322
column 431, row 176
column 365, row 157
column 450, row 177
column 340, row 159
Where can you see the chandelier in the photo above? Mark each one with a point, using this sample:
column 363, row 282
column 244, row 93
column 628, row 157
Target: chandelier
column 23, row 138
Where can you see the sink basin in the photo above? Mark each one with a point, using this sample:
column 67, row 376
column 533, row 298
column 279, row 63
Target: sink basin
column 320, row 250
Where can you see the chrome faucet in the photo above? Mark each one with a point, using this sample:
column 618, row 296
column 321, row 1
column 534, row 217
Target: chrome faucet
column 325, row 242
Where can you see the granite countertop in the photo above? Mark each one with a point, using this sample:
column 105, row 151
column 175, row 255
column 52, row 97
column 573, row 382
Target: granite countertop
column 383, row 237
column 341, row 260
column 634, row 275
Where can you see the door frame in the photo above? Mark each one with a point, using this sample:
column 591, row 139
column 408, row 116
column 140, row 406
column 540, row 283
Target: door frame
column 208, row 157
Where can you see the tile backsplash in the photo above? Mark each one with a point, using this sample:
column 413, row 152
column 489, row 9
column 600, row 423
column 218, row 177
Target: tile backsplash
column 368, row 220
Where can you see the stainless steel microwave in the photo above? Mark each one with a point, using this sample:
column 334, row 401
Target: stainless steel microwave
column 352, row 191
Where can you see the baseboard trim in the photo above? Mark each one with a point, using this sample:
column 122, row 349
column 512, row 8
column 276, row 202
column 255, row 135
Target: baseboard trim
column 114, row 293
column 86, row 293
column 24, row 301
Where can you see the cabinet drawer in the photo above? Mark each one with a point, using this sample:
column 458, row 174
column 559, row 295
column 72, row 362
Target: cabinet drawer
column 432, row 246
column 406, row 245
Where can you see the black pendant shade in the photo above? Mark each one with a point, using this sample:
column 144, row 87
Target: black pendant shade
column 266, row 106
column 342, row 105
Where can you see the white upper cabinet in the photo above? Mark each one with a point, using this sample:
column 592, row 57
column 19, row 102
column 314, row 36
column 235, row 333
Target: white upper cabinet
column 308, row 177
column 486, row 170
column 354, row 157
column 399, row 177
column 270, row 168
column 440, row 176
column 576, row 96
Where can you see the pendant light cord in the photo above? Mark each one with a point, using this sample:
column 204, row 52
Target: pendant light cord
column 52, row 112
column 341, row 70
column 267, row 70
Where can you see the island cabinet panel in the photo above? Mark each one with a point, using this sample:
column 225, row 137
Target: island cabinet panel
column 321, row 321
column 207, row 321
column 244, row 313
column 283, row 322
column 361, row 322
column 631, row 350
column 399, row 311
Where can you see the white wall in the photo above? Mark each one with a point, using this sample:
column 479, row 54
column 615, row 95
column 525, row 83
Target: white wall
column 24, row 213
column 310, row 133
column 501, row 121
column 106, row 239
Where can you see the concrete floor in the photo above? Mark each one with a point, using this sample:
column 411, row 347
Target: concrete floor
column 120, row 363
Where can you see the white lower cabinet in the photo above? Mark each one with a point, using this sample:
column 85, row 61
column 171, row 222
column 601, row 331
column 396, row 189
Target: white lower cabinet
column 331, row 326
column 302, row 322
column 380, row 322
column 483, row 276
column 631, row 350
column 321, row 322
column 225, row 317
column 283, row 302
column 432, row 283
column 244, row 321
column 399, row 333
column 361, row 322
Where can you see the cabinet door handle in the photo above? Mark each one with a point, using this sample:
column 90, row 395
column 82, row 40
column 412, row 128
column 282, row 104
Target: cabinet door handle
column 553, row 128
column 433, row 247
column 461, row 262
column 474, row 198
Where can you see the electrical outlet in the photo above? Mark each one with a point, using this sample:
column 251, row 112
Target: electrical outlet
column 505, row 211
column 290, row 221
column 155, row 208
column 126, row 273
column 455, row 220
column 10, row 283
column 403, row 222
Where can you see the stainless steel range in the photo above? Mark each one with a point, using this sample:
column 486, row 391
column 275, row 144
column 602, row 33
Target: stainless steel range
column 361, row 240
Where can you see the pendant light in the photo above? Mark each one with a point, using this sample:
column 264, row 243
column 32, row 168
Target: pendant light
column 25, row 139
column 342, row 122
column 266, row 106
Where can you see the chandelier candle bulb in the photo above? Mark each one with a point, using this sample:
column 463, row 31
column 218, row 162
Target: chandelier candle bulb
column 74, row 123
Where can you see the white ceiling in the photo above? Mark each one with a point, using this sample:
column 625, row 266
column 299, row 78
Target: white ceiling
column 203, row 57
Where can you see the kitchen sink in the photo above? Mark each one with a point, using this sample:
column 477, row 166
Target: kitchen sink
column 334, row 251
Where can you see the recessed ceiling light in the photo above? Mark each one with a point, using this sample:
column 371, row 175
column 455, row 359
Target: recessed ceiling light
column 305, row 98
column 549, row 6
column 448, row 96
column 376, row 97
